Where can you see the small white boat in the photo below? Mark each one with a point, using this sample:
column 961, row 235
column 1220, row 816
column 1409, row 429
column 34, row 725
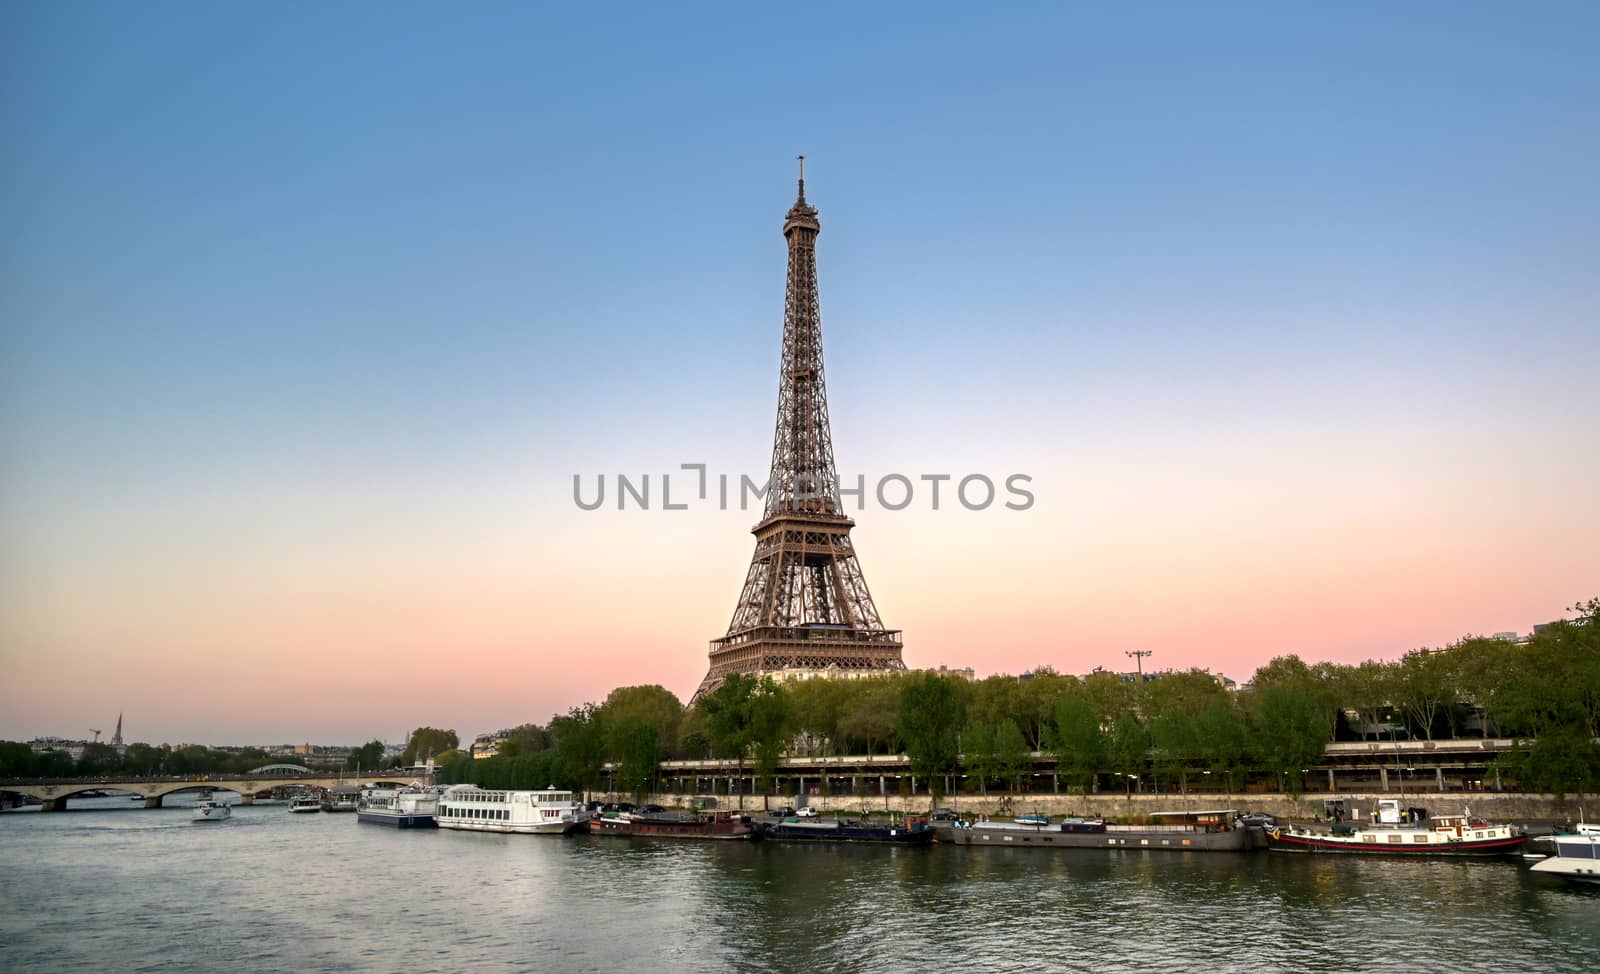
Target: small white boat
column 305, row 803
column 211, row 810
column 1576, row 857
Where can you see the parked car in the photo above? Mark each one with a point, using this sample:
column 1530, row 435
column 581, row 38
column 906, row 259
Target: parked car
column 944, row 815
column 783, row 811
column 651, row 809
column 808, row 812
column 1257, row 820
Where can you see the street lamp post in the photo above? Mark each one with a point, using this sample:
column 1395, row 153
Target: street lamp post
column 1138, row 659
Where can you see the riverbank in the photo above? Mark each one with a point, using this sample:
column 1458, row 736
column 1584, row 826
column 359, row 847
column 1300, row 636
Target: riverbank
column 1493, row 806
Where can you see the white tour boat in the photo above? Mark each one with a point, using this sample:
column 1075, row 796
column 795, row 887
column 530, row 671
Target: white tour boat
column 211, row 810
column 301, row 804
column 474, row 809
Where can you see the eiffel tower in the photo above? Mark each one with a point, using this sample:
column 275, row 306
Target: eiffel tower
column 805, row 604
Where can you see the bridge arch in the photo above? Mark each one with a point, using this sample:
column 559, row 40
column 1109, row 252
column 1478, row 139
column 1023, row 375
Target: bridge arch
column 265, row 768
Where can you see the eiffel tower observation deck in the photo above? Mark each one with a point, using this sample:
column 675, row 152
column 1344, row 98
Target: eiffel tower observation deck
column 805, row 604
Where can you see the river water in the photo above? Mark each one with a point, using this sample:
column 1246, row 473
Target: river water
column 113, row 887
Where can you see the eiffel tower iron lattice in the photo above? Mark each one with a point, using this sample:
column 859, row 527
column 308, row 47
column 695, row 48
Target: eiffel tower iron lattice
column 805, row 604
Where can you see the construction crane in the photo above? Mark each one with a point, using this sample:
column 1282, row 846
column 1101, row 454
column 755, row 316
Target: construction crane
column 96, row 734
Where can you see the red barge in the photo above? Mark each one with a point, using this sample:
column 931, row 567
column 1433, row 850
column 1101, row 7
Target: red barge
column 1405, row 832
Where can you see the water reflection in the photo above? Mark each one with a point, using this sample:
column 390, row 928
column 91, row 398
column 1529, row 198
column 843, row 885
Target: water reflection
column 270, row 891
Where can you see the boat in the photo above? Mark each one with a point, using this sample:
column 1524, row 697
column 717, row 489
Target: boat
column 1032, row 820
column 796, row 829
column 211, row 810
column 473, row 809
column 267, row 796
column 1397, row 830
column 1208, row 830
column 305, row 803
column 405, row 808
column 676, row 825
column 341, row 798
column 1576, row 858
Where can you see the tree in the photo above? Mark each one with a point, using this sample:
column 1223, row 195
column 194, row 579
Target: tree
column 1111, row 696
column 1562, row 760
column 142, row 759
column 872, row 715
column 694, row 734
column 978, row 754
column 1293, row 732
column 994, row 699
column 1128, row 748
column 1035, row 701
column 634, row 745
column 771, row 726
column 16, row 760
column 1078, row 743
column 818, row 707
column 98, row 759
column 1370, row 691
column 1223, row 741
column 426, row 742
column 580, row 750
column 930, row 726
column 1013, row 758
column 523, row 739
column 728, row 720
column 652, row 704
column 1186, row 692
column 1424, row 687
column 367, row 757
column 1173, row 737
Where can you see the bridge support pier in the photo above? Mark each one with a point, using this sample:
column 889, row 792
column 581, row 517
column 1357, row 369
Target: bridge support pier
column 248, row 798
column 53, row 805
column 154, row 801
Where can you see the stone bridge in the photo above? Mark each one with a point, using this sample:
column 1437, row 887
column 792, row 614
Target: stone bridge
column 55, row 792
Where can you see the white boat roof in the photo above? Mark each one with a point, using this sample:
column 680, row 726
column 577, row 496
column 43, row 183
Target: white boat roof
column 1203, row 811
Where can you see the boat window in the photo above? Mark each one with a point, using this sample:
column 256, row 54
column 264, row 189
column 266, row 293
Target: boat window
column 1398, row 838
column 1575, row 850
column 1419, row 838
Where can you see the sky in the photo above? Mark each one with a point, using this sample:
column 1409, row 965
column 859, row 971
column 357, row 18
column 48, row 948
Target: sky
column 310, row 315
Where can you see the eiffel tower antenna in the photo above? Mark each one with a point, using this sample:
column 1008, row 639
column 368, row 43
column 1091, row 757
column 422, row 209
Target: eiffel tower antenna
column 805, row 604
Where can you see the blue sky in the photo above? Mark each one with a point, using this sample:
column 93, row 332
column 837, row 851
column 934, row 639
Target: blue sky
column 310, row 257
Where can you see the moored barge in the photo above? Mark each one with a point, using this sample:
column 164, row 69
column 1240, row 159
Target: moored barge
column 1404, row 832
column 844, row 830
column 677, row 825
column 1212, row 830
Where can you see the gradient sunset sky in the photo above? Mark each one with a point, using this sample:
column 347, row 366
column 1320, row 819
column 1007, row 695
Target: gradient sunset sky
column 309, row 314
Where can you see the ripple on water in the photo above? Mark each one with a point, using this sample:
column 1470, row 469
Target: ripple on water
column 142, row 889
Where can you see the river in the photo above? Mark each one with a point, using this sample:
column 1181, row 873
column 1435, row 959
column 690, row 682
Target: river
column 108, row 887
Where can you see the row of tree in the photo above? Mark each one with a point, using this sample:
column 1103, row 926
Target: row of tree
column 1544, row 692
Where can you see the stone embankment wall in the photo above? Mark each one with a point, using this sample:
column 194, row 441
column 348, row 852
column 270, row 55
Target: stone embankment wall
column 1494, row 806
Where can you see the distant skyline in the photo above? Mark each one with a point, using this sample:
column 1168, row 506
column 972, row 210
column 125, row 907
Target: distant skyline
column 309, row 317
